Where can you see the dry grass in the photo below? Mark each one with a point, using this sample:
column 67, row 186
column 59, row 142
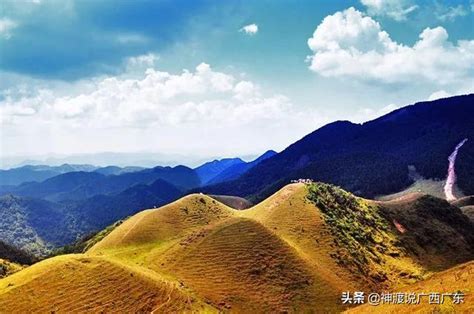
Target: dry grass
column 233, row 201
column 459, row 278
column 197, row 254
column 75, row 283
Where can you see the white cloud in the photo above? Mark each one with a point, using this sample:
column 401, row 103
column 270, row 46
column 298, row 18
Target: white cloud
column 395, row 9
column 250, row 29
column 193, row 112
column 156, row 98
column 448, row 13
column 439, row 94
column 350, row 44
column 142, row 62
column 6, row 26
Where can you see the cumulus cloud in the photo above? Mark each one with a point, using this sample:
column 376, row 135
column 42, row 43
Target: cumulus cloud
column 6, row 26
column 158, row 110
column 158, row 98
column 351, row 44
column 395, row 9
column 250, row 29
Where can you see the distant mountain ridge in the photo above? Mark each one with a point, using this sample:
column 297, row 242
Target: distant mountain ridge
column 33, row 173
column 372, row 158
column 39, row 173
column 235, row 171
column 211, row 169
column 82, row 185
column 227, row 169
column 39, row 226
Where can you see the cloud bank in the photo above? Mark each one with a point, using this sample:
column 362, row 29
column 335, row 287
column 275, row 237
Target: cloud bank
column 158, row 107
column 351, row 44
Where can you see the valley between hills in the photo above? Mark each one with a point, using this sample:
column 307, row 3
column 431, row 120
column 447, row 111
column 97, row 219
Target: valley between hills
column 296, row 251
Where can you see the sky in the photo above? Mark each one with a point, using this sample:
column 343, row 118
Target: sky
column 201, row 79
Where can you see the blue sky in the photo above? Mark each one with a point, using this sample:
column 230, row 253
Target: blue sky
column 217, row 78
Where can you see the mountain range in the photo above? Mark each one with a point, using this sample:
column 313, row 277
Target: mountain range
column 369, row 160
column 372, row 158
column 39, row 217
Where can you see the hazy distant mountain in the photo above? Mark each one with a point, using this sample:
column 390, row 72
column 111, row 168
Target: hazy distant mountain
column 211, row 169
column 38, row 173
column 235, row 171
column 114, row 170
column 104, row 159
column 38, row 226
column 81, row 185
column 372, row 158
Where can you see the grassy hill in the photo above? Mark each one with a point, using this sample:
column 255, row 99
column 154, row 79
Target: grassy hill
column 233, row 201
column 296, row 251
column 456, row 279
column 77, row 283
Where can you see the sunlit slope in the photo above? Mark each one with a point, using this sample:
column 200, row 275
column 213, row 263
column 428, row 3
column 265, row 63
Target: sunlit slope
column 290, row 215
column 294, row 252
column 242, row 265
column 456, row 279
column 233, row 201
column 168, row 223
column 334, row 240
column 75, row 283
column 230, row 261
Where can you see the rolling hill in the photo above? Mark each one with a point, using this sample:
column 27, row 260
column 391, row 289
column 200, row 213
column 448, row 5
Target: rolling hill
column 372, row 158
column 99, row 285
column 457, row 279
column 294, row 252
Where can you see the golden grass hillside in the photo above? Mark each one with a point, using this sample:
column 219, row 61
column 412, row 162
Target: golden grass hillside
column 456, row 279
column 233, row 201
column 294, row 252
column 78, row 283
